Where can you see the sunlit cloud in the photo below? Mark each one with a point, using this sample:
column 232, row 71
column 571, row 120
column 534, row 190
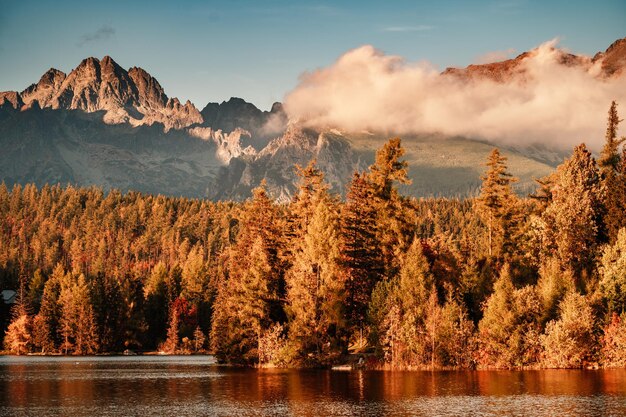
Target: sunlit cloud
column 541, row 102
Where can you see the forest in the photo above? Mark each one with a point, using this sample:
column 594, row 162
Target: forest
column 495, row 281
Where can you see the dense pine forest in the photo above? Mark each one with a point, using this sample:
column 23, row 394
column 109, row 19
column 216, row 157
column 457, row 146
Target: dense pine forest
column 496, row 281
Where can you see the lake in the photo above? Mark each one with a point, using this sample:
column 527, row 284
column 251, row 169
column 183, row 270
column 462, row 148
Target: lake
column 195, row 386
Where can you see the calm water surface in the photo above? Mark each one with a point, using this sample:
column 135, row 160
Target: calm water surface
column 195, row 386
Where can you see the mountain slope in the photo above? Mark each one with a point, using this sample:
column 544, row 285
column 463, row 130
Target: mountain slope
column 70, row 146
column 438, row 166
column 115, row 128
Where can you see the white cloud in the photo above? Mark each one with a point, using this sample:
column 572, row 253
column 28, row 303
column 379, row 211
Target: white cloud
column 545, row 103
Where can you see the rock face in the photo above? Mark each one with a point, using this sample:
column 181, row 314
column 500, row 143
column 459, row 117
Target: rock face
column 133, row 96
column 229, row 145
column 11, row 99
column 613, row 60
column 237, row 113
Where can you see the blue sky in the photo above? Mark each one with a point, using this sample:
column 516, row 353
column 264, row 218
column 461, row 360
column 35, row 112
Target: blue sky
column 212, row 50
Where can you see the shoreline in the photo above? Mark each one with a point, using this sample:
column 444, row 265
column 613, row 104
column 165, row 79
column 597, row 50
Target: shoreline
column 344, row 367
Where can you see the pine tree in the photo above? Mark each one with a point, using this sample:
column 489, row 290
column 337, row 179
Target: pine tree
column 609, row 156
column 552, row 286
column 393, row 232
column 387, row 169
column 77, row 323
column 611, row 165
column 171, row 344
column 509, row 331
column 573, row 218
column 248, row 301
column 156, row 304
column 194, row 275
column 363, row 261
column 315, row 283
column 198, row 339
column 46, row 323
column 399, row 311
column 497, row 204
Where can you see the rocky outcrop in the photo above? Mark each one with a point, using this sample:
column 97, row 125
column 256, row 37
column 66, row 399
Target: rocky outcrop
column 11, row 99
column 613, row 60
column 238, row 113
column 229, row 145
column 276, row 164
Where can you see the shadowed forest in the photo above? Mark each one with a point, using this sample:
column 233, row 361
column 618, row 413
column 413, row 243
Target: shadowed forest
column 497, row 281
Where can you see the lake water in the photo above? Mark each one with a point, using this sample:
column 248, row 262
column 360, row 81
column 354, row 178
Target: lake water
column 195, row 386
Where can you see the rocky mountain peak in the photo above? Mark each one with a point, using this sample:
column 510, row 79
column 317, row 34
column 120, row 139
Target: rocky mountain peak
column 11, row 99
column 49, row 83
column 613, row 59
column 132, row 96
column 236, row 112
column 151, row 94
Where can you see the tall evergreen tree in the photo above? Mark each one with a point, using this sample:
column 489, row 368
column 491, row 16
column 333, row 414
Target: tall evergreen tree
column 509, row 331
column 248, row 301
column 46, row 322
column 315, row 282
column 497, row 204
column 393, row 231
column 611, row 165
column 399, row 311
column 363, row 261
column 77, row 323
column 573, row 218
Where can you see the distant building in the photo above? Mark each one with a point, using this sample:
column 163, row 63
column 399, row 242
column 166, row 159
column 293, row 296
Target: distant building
column 8, row 296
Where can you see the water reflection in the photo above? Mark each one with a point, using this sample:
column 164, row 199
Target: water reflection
column 190, row 386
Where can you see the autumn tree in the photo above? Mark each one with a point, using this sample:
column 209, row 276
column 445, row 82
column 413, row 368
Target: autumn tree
column 552, row 286
column 509, row 331
column 393, row 232
column 248, row 300
column 172, row 341
column 18, row 338
column 570, row 341
column 77, row 323
column 612, row 284
column 613, row 346
column 315, row 281
column 573, row 218
column 46, row 322
column 398, row 310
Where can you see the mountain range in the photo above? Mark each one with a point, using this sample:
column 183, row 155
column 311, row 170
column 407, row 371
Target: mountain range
column 107, row 126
